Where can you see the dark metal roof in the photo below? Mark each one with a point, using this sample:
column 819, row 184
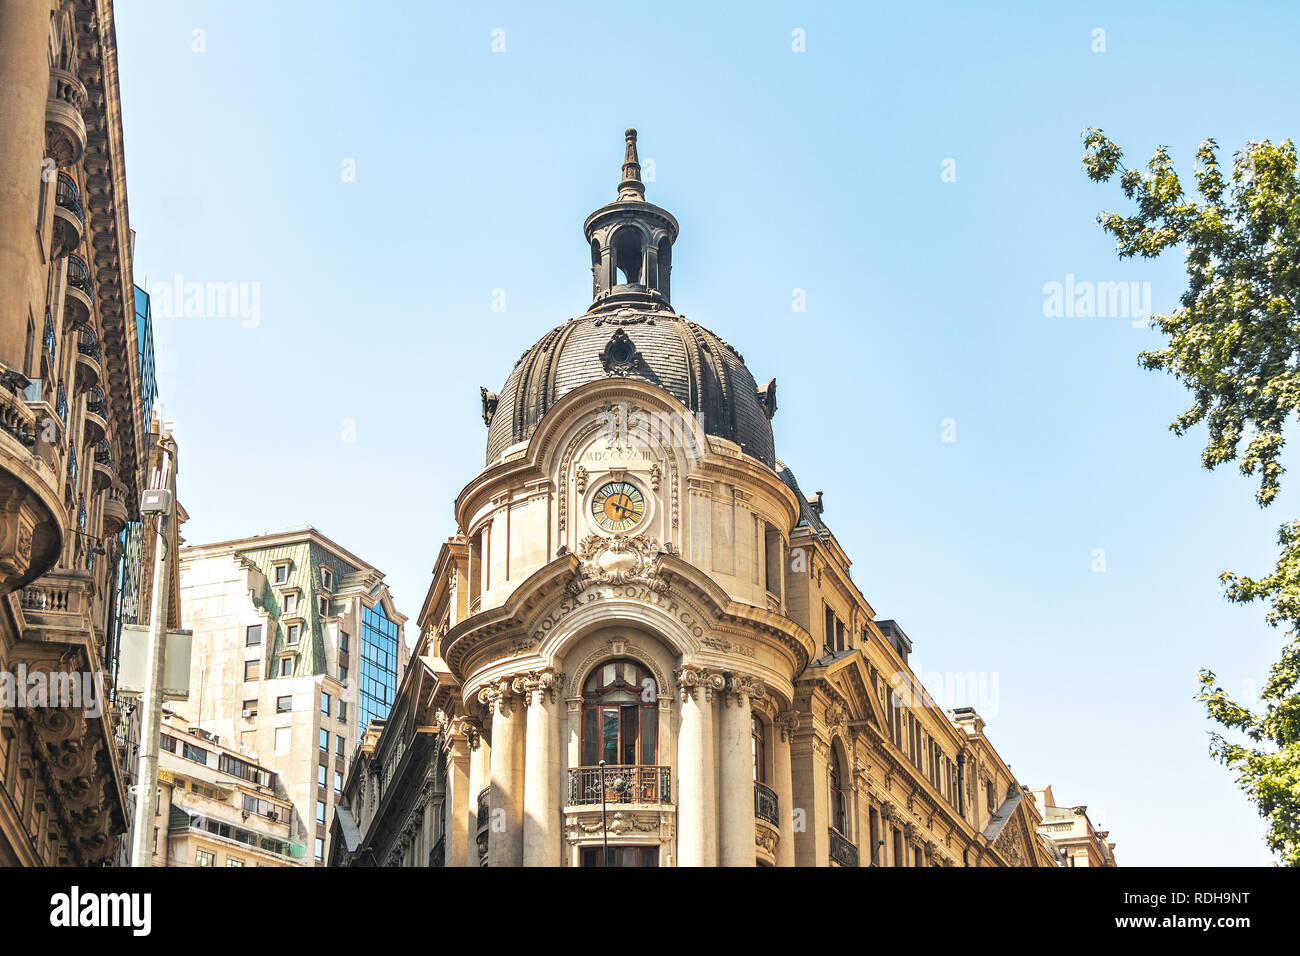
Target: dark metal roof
column 686, row 360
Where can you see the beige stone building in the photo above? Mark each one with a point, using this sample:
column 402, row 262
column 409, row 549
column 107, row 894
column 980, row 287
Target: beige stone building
column 1069, row 833
column 638, row 581
column 74, row 397
column 296, row 647
column 215, row 807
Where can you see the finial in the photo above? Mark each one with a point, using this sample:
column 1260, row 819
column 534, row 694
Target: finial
column 631, row 187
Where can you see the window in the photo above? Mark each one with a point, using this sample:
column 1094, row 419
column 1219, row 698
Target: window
column 338, row 781
column 294, row 632
column 377, row 683
column 320, row 811
column 281, row 573
column 203, row 858
column 327, row 579
column 234, row 861
column 253, row 635
column 250, row 708
column 283, row 739
column 320, row 849
column 343, row 709
column 323, row 606
column 836, row 793
column 760, row 756
column 325, row 740
column 168, row 743
column 284, row 704
column 325, row 703
column 252, row 670
column 338, row 745
column 620, row 716
column 291, row 602
column 286, row 667
column 343, row 673
column 628, row 856
column 198, row 754
column 321, row 772
column 343, row 641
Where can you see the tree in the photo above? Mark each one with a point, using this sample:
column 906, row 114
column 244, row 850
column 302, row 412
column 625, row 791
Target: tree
column 1234, row 342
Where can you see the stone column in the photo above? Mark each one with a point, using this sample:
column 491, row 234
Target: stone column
column 542, row 769
column 462, row 740
column 506, row 798
column 784, row 727
column 736, row 758
column 697, row 813
column 24, row 88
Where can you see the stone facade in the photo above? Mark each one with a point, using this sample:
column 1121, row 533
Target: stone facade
column 636, row 579
column 72, row 428
column 282, row 660
column 1069, row 833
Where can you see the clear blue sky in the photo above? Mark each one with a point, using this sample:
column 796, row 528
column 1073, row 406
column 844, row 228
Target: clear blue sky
column 819, row 171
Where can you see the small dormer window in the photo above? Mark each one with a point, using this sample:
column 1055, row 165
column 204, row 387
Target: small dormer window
column 327, row 579
column 323, row 605
column 293, row 633
column 290, row 602
column 281, row 573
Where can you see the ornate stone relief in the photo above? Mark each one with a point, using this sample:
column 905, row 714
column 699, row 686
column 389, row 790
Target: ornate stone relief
column 617, row 560
column 691, row 679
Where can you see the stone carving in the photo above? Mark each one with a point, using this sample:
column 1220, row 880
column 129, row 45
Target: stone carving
column 547, row 683
column 690, row 679
column 837, row 718
column 620, row 356
column 740, row 686
column 656, row 476
column 618, row 559
column 580, row 479
column 501, row 694
column 787, row 722
column 620, row 822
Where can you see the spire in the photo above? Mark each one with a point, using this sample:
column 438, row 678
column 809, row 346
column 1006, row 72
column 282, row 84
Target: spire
column 631, row 187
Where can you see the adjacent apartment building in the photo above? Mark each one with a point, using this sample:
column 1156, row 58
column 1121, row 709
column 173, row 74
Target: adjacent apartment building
column 1070, row 833
column 73, row 429
column 297, row 647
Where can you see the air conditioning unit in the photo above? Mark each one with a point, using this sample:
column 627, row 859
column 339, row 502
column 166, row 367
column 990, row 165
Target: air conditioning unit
column 248, row 714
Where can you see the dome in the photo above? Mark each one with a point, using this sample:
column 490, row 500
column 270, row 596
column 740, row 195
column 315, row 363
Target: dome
column 631, row 330
column 653, row 345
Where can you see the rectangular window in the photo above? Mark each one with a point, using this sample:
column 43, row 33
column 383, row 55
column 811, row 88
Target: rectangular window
column 343, row 709
column 197, row 754
column 325, row 704
column 320, row 850
column 327, row 579
column 338, row 781
column 320, row 811
column 168, row 743
column 324, row 606
column 203, row 858
column 249, row 709
column 295, row 631
column 252, row 670
column 343, row 641
column 253, row 635
column 343, row 672
column 338, row 748
column 234, row 861
column 286, row 667
column 284, row 704
column 325, row 740
column 291, row 602
column 321, row 772
column 281, row 573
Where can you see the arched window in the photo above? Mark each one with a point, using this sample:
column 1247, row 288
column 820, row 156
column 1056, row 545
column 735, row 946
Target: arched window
column 620, row 716
column 760, row 749
column 627, row 256
column 837, row 792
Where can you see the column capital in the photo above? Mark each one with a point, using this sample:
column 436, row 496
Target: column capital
column 787, row 722
column 691, row 678
column 458, row 729
column 502, row 693
column 547, row 682
column 742, row 689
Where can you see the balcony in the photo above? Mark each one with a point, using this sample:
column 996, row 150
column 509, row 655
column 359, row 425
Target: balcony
column 65, row 127
column 104, row 468
column 69, row 217
column 79, row 297
column 88, row 355
column 56, row 608
column 115, row 512
column 623, row 784
column 843, row 853
column 766, row 805
column 96, row 415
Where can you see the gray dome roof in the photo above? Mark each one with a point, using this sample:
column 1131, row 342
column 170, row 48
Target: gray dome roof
column 651, row 344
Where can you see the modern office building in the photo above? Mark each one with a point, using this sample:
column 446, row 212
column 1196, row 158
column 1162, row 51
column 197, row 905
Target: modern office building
column 644, row 635
column 72, row 426
column 294, row 638
column 216, row 808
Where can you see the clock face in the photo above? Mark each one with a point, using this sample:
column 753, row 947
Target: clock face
column 618, row 506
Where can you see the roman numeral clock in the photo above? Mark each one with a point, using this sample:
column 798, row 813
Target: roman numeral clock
column 618, row 506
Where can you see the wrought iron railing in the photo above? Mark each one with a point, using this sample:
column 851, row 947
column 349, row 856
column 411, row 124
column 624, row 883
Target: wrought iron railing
column 438, row 855
column 88, row 343
column 482, row 811
column 61, row 405
column 48, row 338
column 65, row 195
column 103, row 454
column 72, row 464
column 79, row 275
column 842, row 851
column 95, row 401
column 766, row 805
column 623, row 784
